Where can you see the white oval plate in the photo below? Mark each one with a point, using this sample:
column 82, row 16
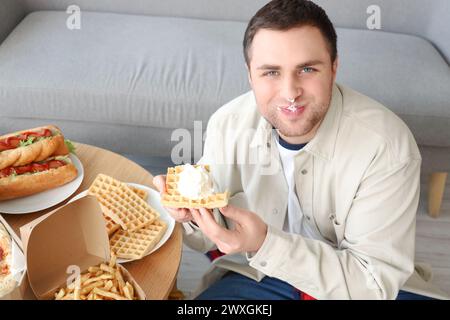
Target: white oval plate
column 154, row 200
column 45, row 199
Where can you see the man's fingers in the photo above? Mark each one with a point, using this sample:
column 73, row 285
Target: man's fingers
column 233, row 213
column 205, row 220
column 197, row 218
column 160, row 183
column 180, row 215
column 207, row 216
column 187, row 214
column 184, row 215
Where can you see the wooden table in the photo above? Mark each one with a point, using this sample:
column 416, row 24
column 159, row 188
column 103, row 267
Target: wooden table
column 155, row 273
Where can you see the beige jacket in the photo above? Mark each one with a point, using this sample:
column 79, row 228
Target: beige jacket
column 357, row 182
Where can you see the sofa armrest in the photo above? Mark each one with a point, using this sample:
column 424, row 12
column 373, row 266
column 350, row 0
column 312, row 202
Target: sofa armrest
column 438, row 31
column 11, row 13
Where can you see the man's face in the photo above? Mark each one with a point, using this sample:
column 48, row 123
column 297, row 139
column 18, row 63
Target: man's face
column 292, row 76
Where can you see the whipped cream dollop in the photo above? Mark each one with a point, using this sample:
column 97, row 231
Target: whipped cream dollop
column 195, row 182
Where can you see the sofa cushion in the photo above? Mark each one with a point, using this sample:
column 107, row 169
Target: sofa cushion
column 167, row 72
column 405, row 73
column 122, row 69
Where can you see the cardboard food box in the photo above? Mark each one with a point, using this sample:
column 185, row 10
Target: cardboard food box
column 72, row 237
column 22, row 289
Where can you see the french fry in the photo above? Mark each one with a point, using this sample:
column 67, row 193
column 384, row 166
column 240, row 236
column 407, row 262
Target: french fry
column 109, row 284
column 61, row 293
column 76, row 293
column 112, row 262
column 130, row 287
column 84, row 277
column 106, row 268
column 102, row 282
column 107, row 294
column 127, row 293
column 93, row 269
column 68, row 297
column 101, row 277
column 87, row 289
column 120, row 281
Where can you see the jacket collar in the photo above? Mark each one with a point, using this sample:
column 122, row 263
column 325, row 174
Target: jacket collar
column 324, row 142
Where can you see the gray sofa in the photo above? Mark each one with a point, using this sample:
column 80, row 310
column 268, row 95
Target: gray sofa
column 137, row 70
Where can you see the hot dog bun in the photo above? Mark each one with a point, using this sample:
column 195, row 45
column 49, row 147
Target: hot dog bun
column 24, row 185
column 38, row 151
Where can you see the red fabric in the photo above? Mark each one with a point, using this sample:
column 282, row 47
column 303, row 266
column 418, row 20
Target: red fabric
column 304, row 296
column 214, row 254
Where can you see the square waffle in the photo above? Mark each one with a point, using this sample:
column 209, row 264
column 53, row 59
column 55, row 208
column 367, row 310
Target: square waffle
column 121, row 204
column 136, row 244
column 111, row 226
column 125, row 208
column 104, row 184
column 141, row 193
column 173, row 199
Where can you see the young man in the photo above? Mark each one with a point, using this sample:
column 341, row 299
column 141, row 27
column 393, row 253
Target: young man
column 324, row 181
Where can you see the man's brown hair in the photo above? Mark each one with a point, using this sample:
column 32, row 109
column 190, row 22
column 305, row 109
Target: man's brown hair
column 287, row 14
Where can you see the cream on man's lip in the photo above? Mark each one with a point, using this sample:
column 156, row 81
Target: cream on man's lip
column 291, row 108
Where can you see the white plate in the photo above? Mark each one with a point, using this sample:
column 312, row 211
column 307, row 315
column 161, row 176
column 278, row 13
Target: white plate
column 46, row 199
column 154, row 200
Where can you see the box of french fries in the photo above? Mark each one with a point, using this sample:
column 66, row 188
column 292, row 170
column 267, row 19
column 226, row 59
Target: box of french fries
column 68, row 256
column 15, row 265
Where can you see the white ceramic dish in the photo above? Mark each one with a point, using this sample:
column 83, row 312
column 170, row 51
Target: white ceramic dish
column 46, row 199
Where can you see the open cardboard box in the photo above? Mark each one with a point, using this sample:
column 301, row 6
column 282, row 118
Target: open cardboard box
column 22, row 290
column 72, row 236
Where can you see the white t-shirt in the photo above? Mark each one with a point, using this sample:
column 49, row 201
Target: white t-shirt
column 295, row 221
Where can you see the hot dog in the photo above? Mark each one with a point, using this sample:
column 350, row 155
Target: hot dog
column 33, row 145
column 20, row 181
column 33, row 161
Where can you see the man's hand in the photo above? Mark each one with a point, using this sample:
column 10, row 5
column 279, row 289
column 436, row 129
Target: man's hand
column 247, row 236
column 180, row 215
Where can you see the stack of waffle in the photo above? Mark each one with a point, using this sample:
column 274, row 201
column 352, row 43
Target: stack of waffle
column 173, row 199
column 134, row 227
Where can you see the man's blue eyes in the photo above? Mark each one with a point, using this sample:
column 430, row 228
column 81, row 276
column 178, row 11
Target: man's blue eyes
column 271, row 73
column 276, row 73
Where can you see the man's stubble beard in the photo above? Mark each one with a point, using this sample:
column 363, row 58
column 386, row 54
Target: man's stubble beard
column 301, row 126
